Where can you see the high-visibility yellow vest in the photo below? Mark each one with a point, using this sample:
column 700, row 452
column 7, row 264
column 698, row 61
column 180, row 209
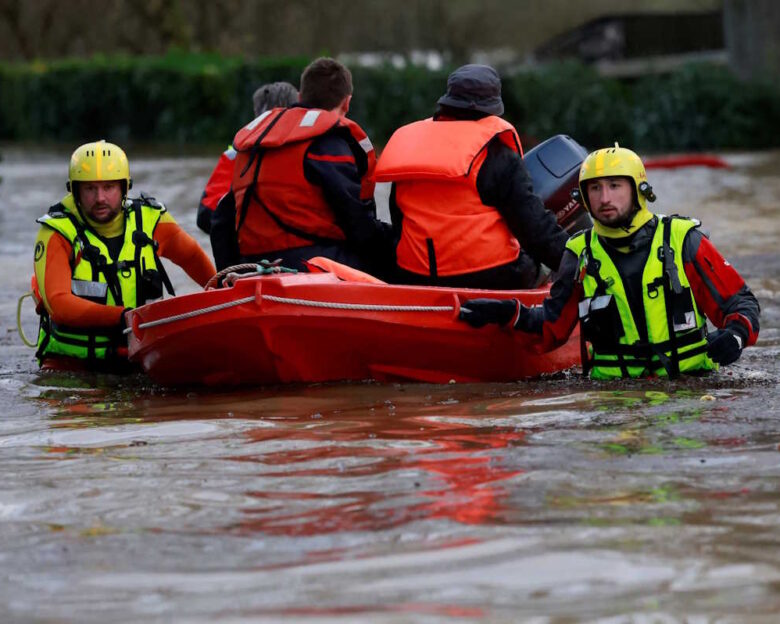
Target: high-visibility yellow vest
column 676, row 330
column 133, row 278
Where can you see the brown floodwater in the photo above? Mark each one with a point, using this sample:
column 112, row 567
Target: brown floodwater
column 554, row 501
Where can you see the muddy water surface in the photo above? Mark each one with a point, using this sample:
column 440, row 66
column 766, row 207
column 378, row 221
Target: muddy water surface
column 559, row 500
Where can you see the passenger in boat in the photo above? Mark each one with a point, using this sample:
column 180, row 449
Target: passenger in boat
column 97, row 255
column 642, row 285
column 303, row 183
column 266, row 97
column 462, row 201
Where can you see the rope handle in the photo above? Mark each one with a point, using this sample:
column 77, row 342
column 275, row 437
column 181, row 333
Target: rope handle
column 214, row 279
column 24, row 338
column 232, row 274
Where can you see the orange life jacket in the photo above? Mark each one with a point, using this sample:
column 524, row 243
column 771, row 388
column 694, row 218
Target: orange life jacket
column 276, row 207
column 320, row 264
column 446, row 228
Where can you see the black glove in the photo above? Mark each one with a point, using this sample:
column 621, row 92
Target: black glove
column 480, row 312
column 724, row 346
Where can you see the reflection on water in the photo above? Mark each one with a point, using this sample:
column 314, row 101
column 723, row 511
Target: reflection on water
column 374, row 501
column 559, row 500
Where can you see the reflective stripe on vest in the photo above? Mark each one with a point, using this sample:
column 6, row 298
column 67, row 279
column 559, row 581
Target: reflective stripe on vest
column 89, row 290
column 276, row 207
column 630, row 357
column 57, row 340
column 446, row 229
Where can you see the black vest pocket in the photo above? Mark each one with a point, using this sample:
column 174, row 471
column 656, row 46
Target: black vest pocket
column 682, row 310
column 601, row 324
column 151, row 286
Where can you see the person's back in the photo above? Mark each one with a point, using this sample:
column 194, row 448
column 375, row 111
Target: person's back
column 462, row 202
column 265, row 97
column 303, row 183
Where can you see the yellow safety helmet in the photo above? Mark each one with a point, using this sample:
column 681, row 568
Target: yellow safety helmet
column 99, row 161
column 616, row 161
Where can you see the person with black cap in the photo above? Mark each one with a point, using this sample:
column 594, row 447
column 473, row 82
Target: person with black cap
column 462, row 202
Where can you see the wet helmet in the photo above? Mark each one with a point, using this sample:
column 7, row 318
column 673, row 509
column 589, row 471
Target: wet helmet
column 616, row 161
column 99, row 161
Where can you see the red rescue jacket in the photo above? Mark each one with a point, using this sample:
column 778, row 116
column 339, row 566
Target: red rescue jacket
column 219, row 182
column 277, row 208
column 217, row 186
column 446, row 229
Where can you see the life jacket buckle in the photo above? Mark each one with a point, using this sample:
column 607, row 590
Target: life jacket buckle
column 654, row 287
column 125, row 268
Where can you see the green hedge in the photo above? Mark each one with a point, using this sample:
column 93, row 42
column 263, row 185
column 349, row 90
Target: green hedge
column 178, row 98
column 204, row 98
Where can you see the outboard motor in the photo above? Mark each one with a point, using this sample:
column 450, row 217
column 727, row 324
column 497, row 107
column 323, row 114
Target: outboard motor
column 555, row 168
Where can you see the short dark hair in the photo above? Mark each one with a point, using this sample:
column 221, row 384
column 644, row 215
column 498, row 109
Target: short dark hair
column 325, row 83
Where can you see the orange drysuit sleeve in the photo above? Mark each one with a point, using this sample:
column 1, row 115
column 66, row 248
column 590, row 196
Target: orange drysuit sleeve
column 183, row 249
column 53, row 274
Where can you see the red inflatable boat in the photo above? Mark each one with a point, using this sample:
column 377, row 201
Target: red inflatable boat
column 312, row 327
column 325, row 327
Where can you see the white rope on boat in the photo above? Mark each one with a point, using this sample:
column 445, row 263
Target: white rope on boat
column 186, row 315
column 369, row 307
column 302, row 302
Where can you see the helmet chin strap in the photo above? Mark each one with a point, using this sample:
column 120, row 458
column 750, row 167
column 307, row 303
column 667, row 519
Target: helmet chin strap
column 73, row 189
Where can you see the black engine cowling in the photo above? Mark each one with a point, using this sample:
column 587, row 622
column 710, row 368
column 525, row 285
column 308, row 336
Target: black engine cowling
column 555, row 167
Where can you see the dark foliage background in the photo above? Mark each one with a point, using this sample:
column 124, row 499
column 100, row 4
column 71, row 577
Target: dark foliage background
column 200, row 98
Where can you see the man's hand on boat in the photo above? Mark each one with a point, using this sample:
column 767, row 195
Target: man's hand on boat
column 480, row 312
column 724, row 346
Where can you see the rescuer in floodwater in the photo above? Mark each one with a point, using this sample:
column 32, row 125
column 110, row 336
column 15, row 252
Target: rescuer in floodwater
column 642, row 286
column 98, row 254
